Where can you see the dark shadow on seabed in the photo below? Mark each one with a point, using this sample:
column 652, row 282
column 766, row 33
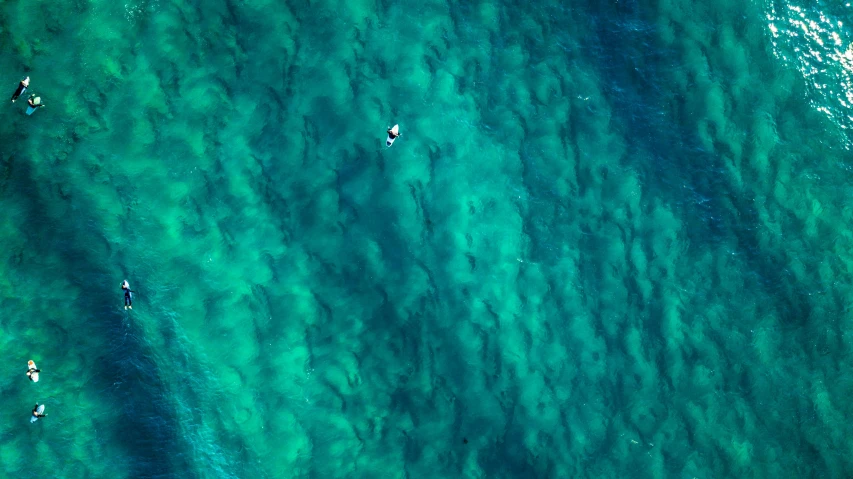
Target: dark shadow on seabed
column 639, row 69
column 127, row 376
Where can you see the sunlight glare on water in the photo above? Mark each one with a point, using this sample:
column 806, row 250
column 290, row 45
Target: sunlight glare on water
column 818, row 45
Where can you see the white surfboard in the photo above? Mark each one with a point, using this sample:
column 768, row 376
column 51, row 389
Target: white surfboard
column 30, row 366
column 390, row 141
column 40, row 410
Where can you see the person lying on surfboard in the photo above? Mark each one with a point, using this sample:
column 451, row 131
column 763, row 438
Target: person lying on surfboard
column 128, row 297
column 32, row 371
column 22, row 87
column 393, row 135
column 36, row 411
column 34, row 102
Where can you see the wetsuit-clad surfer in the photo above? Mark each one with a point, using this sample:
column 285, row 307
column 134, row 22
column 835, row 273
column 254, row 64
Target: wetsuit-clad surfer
column 31, row 372
column 393, row 135
column 36, row 411
column 34, row 102
column 22, row 87
column 128, row 297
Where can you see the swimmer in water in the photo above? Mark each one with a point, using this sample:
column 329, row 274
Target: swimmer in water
column 128, row 297
column 36, row 413
column 22, row 87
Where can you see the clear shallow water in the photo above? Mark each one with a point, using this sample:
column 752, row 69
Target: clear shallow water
column 612, row 241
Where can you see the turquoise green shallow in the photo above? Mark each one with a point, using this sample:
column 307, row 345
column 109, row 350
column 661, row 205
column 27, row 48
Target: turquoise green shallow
column 613, row 241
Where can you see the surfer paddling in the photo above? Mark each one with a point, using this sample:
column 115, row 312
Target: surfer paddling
column 32, row 372
column 393, row 133
column 37, row 412
column 22, row 87
column 128, row 296
column 34, row 103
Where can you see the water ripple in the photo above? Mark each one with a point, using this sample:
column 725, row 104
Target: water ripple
column 817, row 42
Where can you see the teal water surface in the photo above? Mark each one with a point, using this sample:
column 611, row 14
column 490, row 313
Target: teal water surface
column 612, row 241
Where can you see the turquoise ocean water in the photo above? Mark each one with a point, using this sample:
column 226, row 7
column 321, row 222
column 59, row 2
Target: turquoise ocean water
column 613, row 241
